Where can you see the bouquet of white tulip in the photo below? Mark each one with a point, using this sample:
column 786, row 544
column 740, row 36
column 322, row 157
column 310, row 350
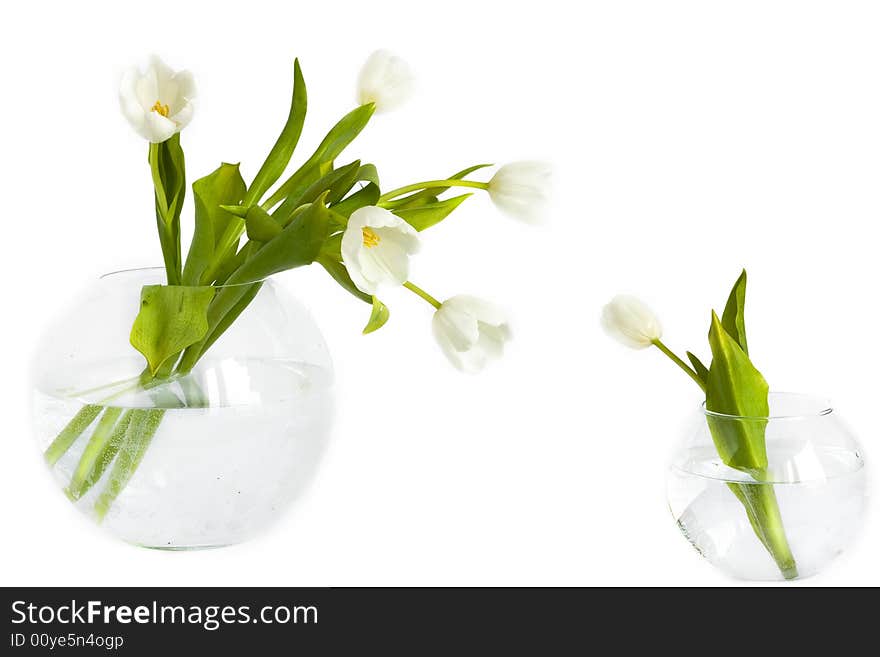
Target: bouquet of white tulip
column 334, row 215
column 733, row 388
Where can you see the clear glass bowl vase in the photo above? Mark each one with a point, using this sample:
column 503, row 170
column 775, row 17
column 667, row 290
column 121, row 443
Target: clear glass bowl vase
column 235, row 441
column 789, row 521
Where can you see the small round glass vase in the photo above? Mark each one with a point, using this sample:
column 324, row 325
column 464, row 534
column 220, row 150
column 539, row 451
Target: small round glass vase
column 235, row 441
column 787, row 521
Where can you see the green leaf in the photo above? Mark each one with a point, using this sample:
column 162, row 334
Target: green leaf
column 335, row 183
column 378, row 317
column 425, row 216
column 246, row 295
column 735, row 387
column 297, row 245
column 224, row 186
column 168, row 169
column 369, row 195
column 282, row 151
column 239, row 211
column 340, row 274
column 340, row 136
column 261, row 227
column 369, row 173
column 733, row 318
column 430, row 195
column 701, row 370
column 171, row 318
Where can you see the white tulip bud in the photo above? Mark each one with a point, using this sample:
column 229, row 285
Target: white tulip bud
column 521, row 189
column 470, row 331
column 385, row 80
column 631, row 322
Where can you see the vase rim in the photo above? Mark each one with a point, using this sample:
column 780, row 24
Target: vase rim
column 808, row 406
column 114, row 275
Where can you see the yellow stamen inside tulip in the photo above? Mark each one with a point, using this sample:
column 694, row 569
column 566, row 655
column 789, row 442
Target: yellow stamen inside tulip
column 160, row 108
column 370, row 238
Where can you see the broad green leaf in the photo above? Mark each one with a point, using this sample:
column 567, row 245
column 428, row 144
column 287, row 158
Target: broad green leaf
column 282, row 151
column 733, row 318
column 735, row 388
column 378, row 317
column 339, row 273
column 297, row 245
column 369, row 195
column 261, row 227
column 340, row 136
column 335, row 183
column 239, row 211
column 246, row 297
column 333, row 246
column 171, row 318
column 231, row 261
column 224, row 186
column 369, row 173
column 701, row 370
column 425, row 216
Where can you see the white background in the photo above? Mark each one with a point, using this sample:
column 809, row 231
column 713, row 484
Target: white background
column 689, row 139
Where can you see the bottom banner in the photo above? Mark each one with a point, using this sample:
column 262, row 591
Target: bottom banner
column 408, row 620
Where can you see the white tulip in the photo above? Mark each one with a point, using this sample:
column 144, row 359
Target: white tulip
column 631, row 322
column 521, row 189
column 376, row 247
column 385, row 80
column 470, row 331
column 158, row 102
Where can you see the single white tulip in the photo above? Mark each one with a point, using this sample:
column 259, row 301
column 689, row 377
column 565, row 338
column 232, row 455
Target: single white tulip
column 376, row 247
column 628, row 320
column 470, row 331
column 385, row 80
column 521, row 189
column 157, row 101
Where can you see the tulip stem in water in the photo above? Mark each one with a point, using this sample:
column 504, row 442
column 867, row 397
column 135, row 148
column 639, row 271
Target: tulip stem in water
column 678, row 361
column 412, row 287
column 415, row 187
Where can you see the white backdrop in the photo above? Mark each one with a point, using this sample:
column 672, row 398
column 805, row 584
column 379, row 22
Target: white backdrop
column 689, row 139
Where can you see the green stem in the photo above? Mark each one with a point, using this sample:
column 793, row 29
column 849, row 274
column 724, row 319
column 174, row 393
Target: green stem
column 762, row 510
column 113, row 384
column 400, row 191
column 71, row 432
column 678, row 361
column 92, row 453
column 140, row 432
column 412, row 287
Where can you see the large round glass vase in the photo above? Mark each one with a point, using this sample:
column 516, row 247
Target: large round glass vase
column 202, row 460
column 786, row 521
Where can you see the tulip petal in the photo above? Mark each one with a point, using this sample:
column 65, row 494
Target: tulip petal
column 385, row 80
column 159, row 128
